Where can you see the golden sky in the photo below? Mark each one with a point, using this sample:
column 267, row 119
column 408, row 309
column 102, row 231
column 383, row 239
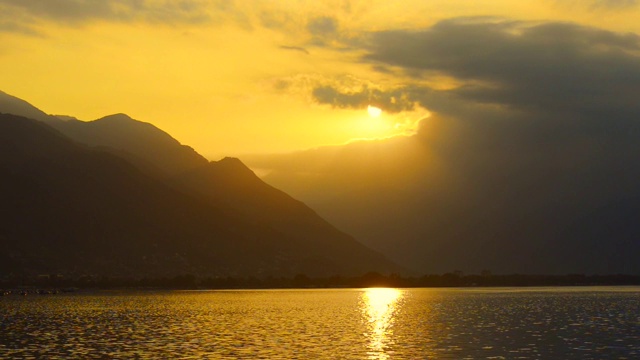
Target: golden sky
column 237, row 77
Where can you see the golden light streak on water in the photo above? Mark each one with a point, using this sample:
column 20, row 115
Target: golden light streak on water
column 380, row 306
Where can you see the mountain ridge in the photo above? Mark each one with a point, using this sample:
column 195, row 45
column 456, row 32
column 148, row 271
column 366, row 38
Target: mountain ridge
column 328, row 251
column 142, row 143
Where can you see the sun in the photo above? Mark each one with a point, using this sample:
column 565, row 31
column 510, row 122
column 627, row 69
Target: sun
column 374, row 111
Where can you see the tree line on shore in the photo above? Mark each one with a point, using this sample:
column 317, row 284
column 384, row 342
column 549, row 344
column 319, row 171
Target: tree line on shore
column 371, row 279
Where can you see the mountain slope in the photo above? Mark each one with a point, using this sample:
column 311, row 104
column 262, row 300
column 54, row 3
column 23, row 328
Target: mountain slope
column 71, row 209
column 12, row 105
column 141, row 143
column 229, row 183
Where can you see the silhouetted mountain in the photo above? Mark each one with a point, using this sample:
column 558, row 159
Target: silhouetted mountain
column 226, row 184
column 229, row 183
column 141, row 143
column 71, row 209
column 12, row 105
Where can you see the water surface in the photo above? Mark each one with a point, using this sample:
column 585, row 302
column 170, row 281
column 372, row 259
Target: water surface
column 536, row 323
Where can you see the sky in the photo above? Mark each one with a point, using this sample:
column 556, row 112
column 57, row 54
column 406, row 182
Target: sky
column 244, row 77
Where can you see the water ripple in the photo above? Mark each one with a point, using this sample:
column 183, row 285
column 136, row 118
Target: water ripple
column 325, row 324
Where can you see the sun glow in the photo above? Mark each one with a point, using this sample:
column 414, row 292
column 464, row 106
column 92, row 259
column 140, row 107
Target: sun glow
column 374, row 111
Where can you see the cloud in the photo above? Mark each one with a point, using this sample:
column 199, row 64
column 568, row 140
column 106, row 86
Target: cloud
column 80, row 11
column 559, row 76
column 323, row 30
column 547, row 107
column 601, row 4
column 532, row 96
column 295, row 48
column 613, row 4
column 343, row 91
column 392, row 101
column 315, row 25
column 548, row 69
column 17, row 27
column 322, row 26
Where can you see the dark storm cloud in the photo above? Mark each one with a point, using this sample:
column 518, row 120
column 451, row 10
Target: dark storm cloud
column 545, row 84
column 534, row 89
column 78, row 11
column 546, row 68
column 545, row 111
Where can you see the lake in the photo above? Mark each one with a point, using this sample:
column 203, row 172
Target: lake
column 472, row 323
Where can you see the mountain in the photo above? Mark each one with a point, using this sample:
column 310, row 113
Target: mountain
column 457, row 195
column 141, row 143
column 229, row 183
column 71, row 209
column 514, row 198
column 68, row 209
column 226, row 184
column 12, row 105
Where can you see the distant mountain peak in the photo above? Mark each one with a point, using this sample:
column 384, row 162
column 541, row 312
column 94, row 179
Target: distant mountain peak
column 232, row 165
column 67, row 117
column 117, row 117
column 231, row 162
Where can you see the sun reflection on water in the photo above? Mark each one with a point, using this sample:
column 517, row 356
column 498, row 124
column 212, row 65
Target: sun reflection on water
column 379, row 308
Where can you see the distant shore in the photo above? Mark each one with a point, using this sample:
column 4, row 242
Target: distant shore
column 59, row 284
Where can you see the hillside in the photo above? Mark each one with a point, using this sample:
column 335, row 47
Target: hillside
column 71, row 209
column 143, row 144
